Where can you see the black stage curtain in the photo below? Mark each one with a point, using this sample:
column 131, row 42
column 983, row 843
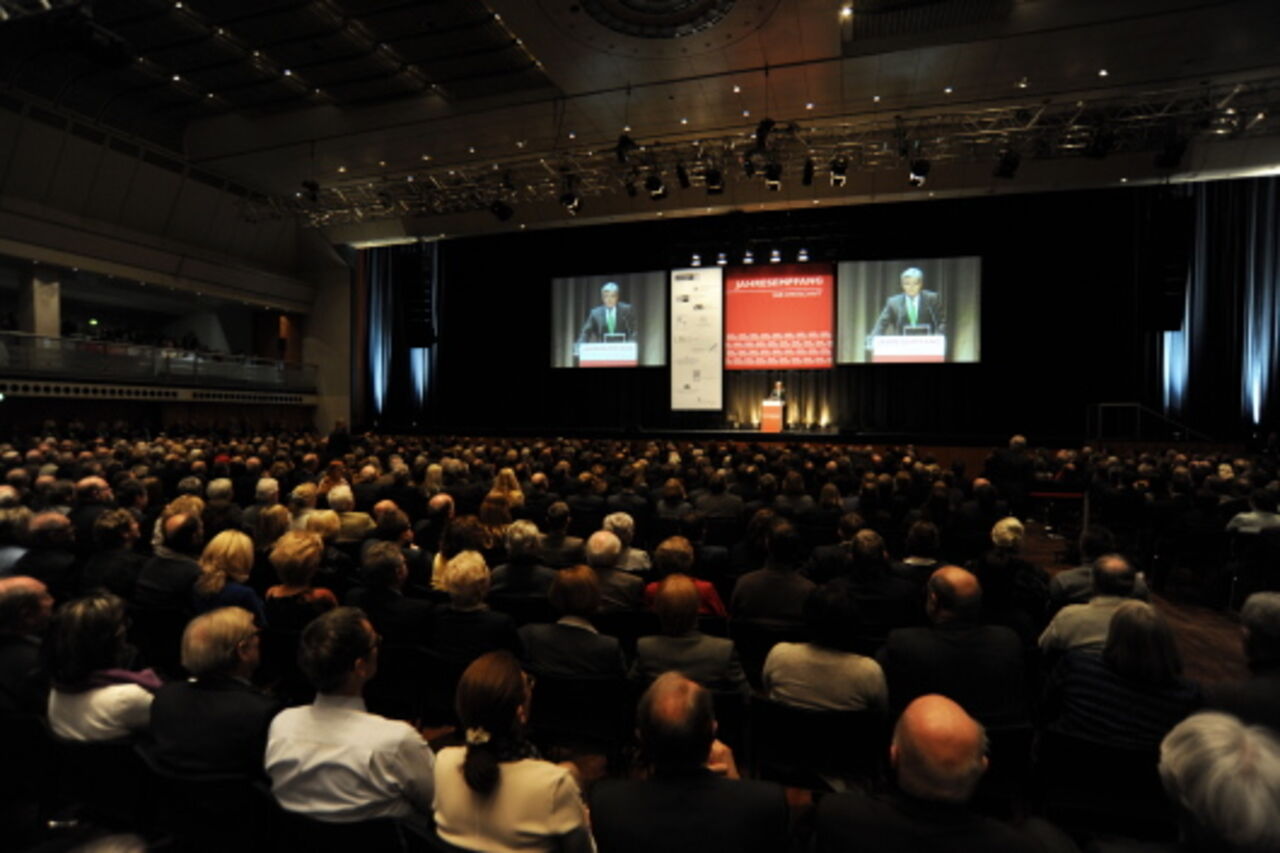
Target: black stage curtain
column 1060, row 333
column 398, row 284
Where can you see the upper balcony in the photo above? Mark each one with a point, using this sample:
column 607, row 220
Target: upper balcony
column 26, row 355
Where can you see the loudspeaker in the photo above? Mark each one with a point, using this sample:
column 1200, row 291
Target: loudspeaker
column 1165, row 236
column 415, row 299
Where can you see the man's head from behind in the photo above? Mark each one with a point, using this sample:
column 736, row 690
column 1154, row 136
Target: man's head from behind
column 25, row 606
column 338, row 651
column 953, row 593
column 1113, row 575
column 676, row 723
column 1225, row 777
column 602, row 550
column 938, row 751
column 222, row 642
column 1260, row 620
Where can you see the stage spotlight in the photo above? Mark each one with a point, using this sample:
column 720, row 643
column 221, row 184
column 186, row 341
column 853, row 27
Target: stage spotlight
column 695, row 260
column 722, row 259
column 802, row 256
column 715, row 181
column 682, row 175
column 773, row 176
column 839, row 166
column 762, row 132
column 501, row 209
column 806, row 177
column 748, row 257
column 624, row 148
column 919, row 173
column 775, row 257
column 1008, row 164
column 571, row 202
column 655, row 187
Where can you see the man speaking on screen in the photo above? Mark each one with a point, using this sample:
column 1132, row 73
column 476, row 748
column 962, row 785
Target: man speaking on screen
column 609, row 319
column 913, row 310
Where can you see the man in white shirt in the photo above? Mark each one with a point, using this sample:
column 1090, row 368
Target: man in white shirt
column 334, row 761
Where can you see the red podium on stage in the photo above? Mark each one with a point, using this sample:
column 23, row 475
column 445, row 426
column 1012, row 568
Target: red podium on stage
column 771, row 415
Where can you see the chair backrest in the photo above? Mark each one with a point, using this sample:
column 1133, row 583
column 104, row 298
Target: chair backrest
column 157, row 634
column 583, row 713
column 753, row 638
column 105, row 778
column 415, row 684
column 627, row 626
column 207, row 813
column 798, row 746
column 524, row 609
column 295, row 832
column 1095, row 787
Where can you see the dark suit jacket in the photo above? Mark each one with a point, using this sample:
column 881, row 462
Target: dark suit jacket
column 464, row 635
column 896, row 823
column 894, row 317
column 401, row 621
column 55, row 568
column 979, row 666
column 770, row 594
column 710, row 661
column 116, row 570
column 560, row 552
column 24, row 683
column 568, row 651
column 165, row 583
column 211, row 725
column 696, row 812
column 597, row 326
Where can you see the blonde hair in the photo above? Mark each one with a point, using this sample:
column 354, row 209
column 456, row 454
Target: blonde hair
column 466, row 579
column 210, row 640
column 271, row 524
column 296, row 557
column 228, row 556
column 325, row 522
column 1008, row 533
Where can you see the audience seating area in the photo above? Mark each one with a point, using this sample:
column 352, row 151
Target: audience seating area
column 877, row 514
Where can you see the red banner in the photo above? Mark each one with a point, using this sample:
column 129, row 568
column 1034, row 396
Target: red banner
column 779, row 317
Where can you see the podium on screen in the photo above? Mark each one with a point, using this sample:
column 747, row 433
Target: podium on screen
column 888, row 349
column 622, row 354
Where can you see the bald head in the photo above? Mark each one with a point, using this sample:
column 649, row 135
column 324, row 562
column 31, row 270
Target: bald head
column 603, row 549
column 938, row 751
column 953, row 594
column 676, row 722
column 1113, row 575
column 441, row 504
column 25, row 606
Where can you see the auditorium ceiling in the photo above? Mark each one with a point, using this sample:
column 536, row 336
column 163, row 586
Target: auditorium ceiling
column 389, row 118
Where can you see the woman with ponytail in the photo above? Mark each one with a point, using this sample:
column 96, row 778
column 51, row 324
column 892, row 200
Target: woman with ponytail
column 495, row 794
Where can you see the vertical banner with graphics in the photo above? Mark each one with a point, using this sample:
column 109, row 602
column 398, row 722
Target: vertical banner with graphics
column 697, row 339
column 779, row 317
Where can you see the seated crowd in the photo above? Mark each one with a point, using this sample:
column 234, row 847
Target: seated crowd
column 230, row 603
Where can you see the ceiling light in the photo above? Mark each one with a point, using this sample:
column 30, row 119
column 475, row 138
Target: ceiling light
column 426, row 156
column 695, row 260
column 775, row 257
column 748, row 257
column 875, row 98
column 809, row 105
column 1102, row 72
column 1022, row 84
column 342, row 170
column 177, row 78
column 722, row 259
column 737, row 90
column 746, row 113
column 573, row 135
column 802, row 256
column 846, row 12
column 684, row 121
column 948, row 90
column 288, row 72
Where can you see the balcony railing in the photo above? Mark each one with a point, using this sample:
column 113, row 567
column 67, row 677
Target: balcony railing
column 22, row 354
